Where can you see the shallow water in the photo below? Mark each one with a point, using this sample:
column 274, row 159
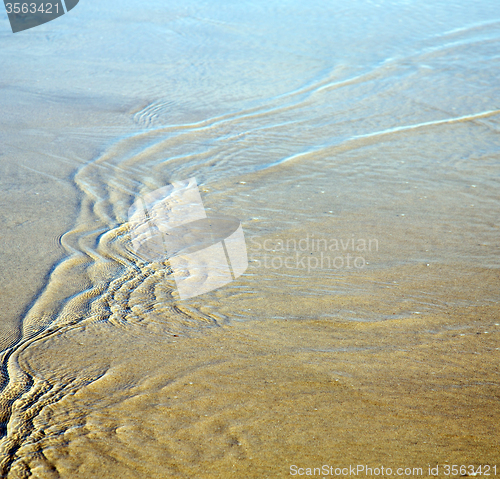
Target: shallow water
column 359, row 147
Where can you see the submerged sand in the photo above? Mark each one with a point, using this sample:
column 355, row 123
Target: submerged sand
column 384, row 153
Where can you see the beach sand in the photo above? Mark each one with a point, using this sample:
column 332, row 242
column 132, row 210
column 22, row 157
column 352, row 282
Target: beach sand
column 365, row 331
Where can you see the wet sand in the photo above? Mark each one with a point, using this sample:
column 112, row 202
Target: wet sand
column 253, row 399
column 365, row 330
